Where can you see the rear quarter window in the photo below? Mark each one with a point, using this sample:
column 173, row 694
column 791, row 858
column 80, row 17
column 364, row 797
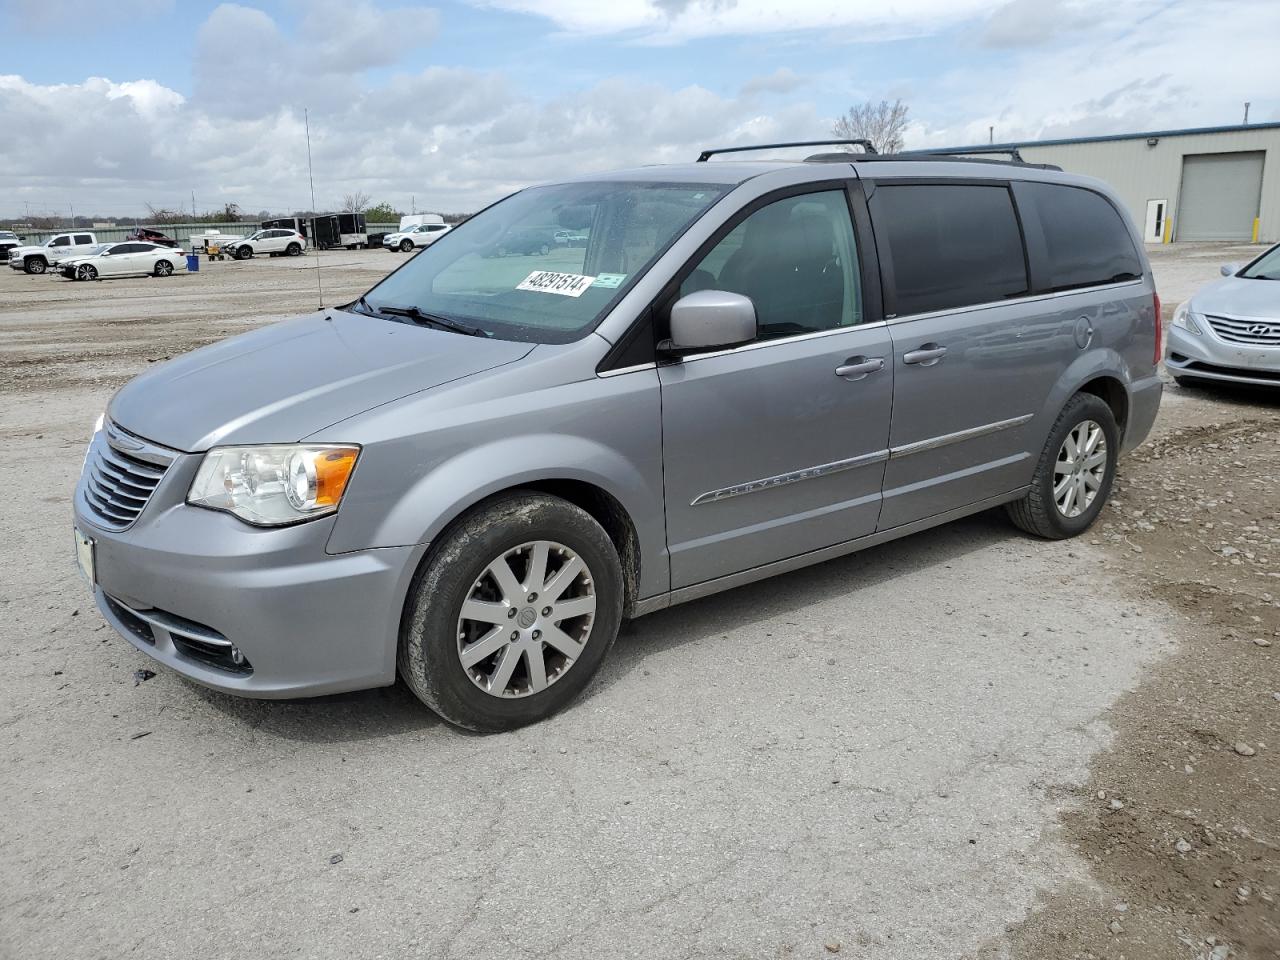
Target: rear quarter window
column 951, row 245
column 1086, row 240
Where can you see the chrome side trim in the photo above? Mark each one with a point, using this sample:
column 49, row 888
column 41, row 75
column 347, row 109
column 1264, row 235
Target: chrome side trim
column 698, row 590
column 632, row 369
column 932, row 443
column 1013, row 301
column 795, row 476
column 778, row 341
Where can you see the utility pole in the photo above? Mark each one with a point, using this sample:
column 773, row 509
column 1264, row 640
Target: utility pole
column 991, row 135
column 1246, row 112
column 413, row 203
column 193, row 204
column 72, row 207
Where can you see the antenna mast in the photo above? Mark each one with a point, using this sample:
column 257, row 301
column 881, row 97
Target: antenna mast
column 306, row 118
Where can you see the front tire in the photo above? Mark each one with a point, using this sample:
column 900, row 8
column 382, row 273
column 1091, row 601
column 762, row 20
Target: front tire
column 1074, row 473
column 34, row 265
column 244, row 253
column 511, row 615
column 163, row 268
column 406, row 246
column 86, row 271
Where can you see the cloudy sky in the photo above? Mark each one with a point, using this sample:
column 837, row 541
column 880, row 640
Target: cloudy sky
column 113, row 105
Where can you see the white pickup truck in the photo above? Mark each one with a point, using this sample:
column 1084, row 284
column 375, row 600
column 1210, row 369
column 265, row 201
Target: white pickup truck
column 40, row 258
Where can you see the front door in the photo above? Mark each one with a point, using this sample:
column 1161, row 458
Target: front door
column 778, row 447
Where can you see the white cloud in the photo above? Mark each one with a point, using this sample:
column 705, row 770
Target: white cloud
column 782, row 80
column 456, row 138
column 678, row 20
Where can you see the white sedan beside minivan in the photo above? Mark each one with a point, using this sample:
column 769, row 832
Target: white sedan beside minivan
column 132, row 258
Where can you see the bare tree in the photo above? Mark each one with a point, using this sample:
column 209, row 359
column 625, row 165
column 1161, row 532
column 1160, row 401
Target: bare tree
column 882, row 123
column 355, row 202
column 164, row 215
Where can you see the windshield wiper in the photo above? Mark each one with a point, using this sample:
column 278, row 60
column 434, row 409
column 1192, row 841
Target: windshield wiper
column 421, row 316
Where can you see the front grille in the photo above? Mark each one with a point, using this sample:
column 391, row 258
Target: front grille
column 1261, row 333
column 120, row 474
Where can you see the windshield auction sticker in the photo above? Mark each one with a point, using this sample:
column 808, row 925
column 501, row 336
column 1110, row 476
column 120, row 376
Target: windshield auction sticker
column 548, row 281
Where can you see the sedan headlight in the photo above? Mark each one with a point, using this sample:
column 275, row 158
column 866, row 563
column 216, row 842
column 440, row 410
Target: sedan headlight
column 274, row 485
column 1184, row 318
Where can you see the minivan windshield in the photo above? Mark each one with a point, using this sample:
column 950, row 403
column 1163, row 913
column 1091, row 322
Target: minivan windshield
column 1266, row 267
column 506, row 272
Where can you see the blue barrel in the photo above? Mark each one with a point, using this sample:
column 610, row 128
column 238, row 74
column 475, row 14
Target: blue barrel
column 193, row 263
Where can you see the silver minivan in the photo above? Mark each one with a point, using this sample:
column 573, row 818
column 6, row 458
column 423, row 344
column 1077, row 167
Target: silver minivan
column 472, row 473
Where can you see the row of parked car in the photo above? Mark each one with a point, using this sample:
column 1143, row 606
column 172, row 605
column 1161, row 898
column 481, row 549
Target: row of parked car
column 78, row 254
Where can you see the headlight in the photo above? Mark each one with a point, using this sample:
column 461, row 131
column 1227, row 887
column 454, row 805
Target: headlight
column 274, row 485
column 1185, row 318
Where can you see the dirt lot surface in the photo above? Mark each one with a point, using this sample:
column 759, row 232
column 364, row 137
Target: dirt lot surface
column 963, row 744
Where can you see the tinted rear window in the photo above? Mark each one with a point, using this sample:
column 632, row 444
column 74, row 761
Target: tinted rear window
column 1086, row 240
column 952, row 245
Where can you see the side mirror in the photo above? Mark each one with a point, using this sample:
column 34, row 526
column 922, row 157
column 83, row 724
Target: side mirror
column 707, row 319
column 1229, row 269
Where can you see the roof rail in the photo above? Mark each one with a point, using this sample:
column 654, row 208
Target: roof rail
column 1012, row 153
column 963, row 156
column 866, row 145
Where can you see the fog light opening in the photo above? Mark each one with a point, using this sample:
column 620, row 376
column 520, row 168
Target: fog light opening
column 236, row 656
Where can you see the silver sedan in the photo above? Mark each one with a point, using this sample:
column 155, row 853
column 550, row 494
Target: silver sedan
column 1230, row 330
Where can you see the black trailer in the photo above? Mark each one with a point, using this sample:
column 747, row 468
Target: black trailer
column 332, row 230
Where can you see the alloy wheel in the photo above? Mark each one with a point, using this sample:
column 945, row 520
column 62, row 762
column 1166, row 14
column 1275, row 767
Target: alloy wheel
column 1080, row 469
column 526, row 619
column 85, row 272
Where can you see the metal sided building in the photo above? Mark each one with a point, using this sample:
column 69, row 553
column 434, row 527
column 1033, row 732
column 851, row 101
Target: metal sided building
column 1207, row 183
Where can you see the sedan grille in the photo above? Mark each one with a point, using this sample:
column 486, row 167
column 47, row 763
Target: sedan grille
column 120, row 474
column 1261, row 333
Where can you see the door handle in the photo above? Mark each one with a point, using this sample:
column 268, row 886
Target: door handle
column 927, row 355
column 855, row 368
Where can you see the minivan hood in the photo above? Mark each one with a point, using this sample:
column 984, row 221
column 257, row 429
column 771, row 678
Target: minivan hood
column 1238, row 297
column 284, row 382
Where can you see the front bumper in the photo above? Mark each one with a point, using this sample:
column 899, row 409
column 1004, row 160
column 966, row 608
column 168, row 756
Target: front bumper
column 1206, row 356
column 181, row 581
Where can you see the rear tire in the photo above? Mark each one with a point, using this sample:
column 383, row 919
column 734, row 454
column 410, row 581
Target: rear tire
column 432, row 633
column 1041, row 512
column 294, row 250
column 34, row 265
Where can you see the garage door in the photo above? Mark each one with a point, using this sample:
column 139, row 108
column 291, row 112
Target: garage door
column 1220, row 196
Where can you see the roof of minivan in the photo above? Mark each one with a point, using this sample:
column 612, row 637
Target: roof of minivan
column 734, row 172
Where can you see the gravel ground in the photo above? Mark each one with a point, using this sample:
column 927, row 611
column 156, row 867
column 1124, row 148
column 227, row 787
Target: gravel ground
column 911, row 752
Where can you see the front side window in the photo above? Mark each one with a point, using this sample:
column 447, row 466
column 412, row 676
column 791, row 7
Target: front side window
column 502, row 272
column 60, row 242
column 953, row 245
column 797, row 261
column 1086, row 241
